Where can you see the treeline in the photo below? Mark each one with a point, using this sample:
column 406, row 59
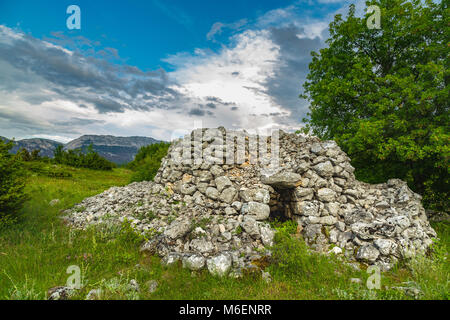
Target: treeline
column 74, row 158
column 147, row 161
column 79, row 159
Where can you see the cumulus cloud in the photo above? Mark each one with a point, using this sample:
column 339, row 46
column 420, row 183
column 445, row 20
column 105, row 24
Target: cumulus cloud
column 51, row 88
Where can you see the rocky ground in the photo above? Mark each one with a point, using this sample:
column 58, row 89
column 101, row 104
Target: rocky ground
column 214, row 213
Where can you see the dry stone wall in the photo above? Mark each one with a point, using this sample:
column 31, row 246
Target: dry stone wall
column 211, row 200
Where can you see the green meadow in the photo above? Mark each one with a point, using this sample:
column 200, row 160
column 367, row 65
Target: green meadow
column 37, row 249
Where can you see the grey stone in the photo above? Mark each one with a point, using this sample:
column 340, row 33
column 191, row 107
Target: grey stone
column 282, row 180
column 324, row 169
column 326, row 195
column 307, row 208
column 367, row 253
column 201, row 245
column 152, row 285
column 222, row 183
column 188, row 189
column 250, row 226
column 54, row 202
column 212, row 193
column 170, row 259
column 258, row 210
column 228, row 195
column 60, row 293
column 178, row 229
column 266, row 277
column 219, row 265
column 193, row 262
column 267, row 235
column 133, row 286
column 94, row 294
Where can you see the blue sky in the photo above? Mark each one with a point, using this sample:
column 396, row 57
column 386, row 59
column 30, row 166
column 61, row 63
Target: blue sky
column 154, row 67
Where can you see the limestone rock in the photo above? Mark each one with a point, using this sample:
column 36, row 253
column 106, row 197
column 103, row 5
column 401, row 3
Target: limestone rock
column 258, row 210
column 219, row 265
column 282, row 180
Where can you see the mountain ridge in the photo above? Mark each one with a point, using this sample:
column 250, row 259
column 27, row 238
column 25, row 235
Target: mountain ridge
column 116, row 149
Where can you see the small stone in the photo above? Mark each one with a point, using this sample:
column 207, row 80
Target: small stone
column 228, row 195
column 54, row 202
column 170, row 259
column 194, row 262
column 219, row 265
column 222, row 183
column 216, row 170
column 266, row 277
column 251, row 227
column 258, row 210
column 326, row 195
column 335, row 251
column 307, row 208
column 212, row 193
column 134, row 286
column 201, row 245
column 267, row 235
column 94, row 294
column 152, row 286
column 178, row 229
column 229, row 211
column 188, row 189
column 368, row 253
column 237, row 205
column 324, row 169
column 60, row 293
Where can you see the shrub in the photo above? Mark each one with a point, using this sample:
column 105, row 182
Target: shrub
column 29, row 156
column 147, row 161
column 12, row 181
column 78, row 159
column 383, row 95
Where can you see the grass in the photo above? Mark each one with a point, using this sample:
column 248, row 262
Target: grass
column 37, row 249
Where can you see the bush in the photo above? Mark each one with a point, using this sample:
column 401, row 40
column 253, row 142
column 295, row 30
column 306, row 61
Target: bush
column 383, row 95
column 78, row 159
column 12, row 181
column 147, row 161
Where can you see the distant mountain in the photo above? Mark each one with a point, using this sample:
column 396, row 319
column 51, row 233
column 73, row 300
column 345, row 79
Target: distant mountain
column 45, row 145
column 116, row 149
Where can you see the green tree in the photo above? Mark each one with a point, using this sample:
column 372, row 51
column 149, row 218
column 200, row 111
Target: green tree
column 383, row 96
column 147, row 161
column 79, row 159
column 12, row 181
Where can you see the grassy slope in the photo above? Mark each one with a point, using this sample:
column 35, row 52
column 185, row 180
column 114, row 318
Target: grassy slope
column 36, row 251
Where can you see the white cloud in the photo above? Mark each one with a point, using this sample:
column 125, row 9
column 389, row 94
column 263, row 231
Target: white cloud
column 253, row 82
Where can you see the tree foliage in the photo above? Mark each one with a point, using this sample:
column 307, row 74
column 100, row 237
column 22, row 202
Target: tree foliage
column 147, row 161
column 79, row 159
column 383, row 94
column 12, row 181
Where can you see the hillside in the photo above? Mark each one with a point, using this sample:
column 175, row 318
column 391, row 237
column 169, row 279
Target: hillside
column 46, row 146
column 116, row 149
